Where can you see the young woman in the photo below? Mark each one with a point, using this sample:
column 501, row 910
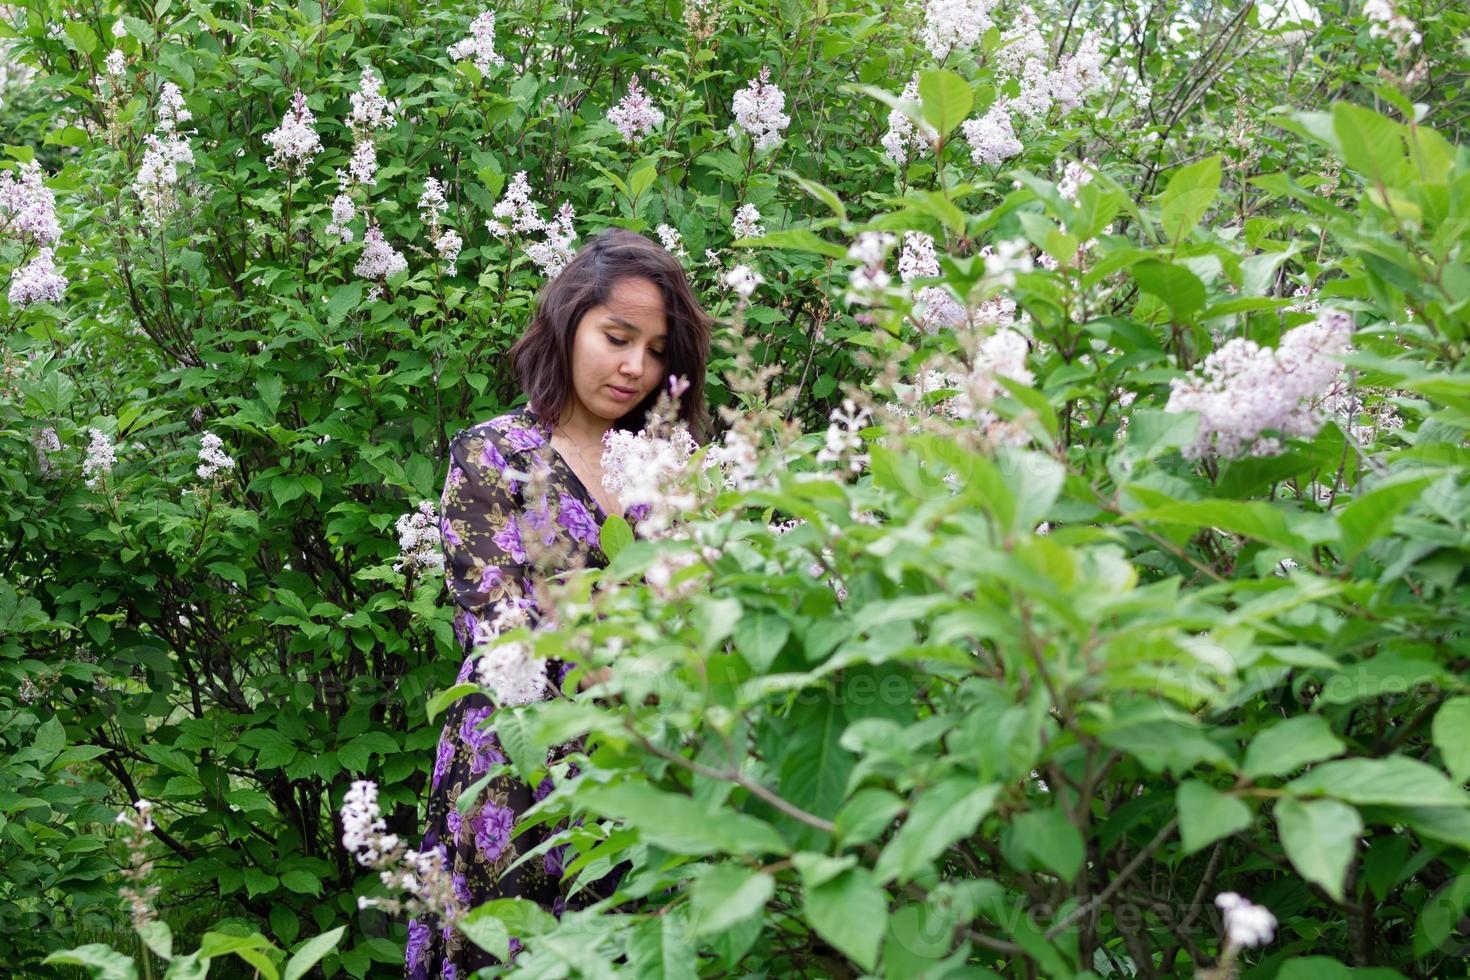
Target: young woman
column 607, row 335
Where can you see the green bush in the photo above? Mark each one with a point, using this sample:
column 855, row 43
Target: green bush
column 958, row 744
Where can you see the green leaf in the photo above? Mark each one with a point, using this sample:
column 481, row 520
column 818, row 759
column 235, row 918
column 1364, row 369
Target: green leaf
column 642, row 179
column 760, row 637
column 342, row 301
column 1394, row 781
column 1452, row 736
column 616, row 535
column 943, row 815
column 50, row 740
column 1050, row 840
column 1180, row 289
column 679, row 823
column 101, row 961
column 311, row 952
column 1320, row 837
column 946, row 100
column 448, row 696
column 1361, row 522
column 659, row 949
column 1206, row 815
column 486, row 931
column 799, row 240
column 850, row 911
column 1189, row 195
column 866, row 815
column 1288, row 745
column 82, row 36
column 1251, row 518
column 727, row 894
column 819, row 191
column 157, row 936
column 1372, row 144
column 302, row 882
column 714, row 620
column 270, row 387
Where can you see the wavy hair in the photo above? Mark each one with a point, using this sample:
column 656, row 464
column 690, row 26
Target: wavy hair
column 542, row 358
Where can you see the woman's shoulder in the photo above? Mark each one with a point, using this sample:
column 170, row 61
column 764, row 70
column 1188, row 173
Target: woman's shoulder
column 516, row 429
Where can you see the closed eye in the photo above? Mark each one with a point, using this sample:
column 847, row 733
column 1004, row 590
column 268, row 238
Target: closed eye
column 619, row 342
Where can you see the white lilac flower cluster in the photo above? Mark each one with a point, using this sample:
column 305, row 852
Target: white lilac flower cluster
column 28, row 210
column 1246, row 925
column 556, row 250
column 739, row 461
column 954, row 25
column 759, row 111
column 1390, row 23
column 213, row 460
column 1001, row 354
column 378, row 260
column 46, row 443
column 422, row 875
column 294, row 142
column 935, row 307
column 479, row 46
column 905, row 139
column 643, row 470
column 371, row 112
column 419, row 540
column 517, row 208
column 343, row 211
column 843, row 444
column 1024, row 55
column 1075, row 175
column 1005, row 258
column 671, row 240
column 28, row 207
column 101, row 456
column 37, row 280
column 165, row 150
column 869, row 279
column 138, row 893
column 744, row 280
column 509, row 668
column 432, row 207
column 114, row 69
column 635, row 116
column 992, row 137
column 747, row 222
column 1244, row 390
column 517, row 213
column 701, row 17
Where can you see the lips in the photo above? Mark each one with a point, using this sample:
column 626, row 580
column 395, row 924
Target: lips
column 629, row 392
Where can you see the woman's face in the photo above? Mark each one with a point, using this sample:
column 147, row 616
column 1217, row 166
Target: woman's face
column 619, row 349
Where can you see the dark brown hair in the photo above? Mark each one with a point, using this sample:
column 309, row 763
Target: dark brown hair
column 542, row 358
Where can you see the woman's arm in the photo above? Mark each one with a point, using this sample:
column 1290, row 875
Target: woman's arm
column 484, row 564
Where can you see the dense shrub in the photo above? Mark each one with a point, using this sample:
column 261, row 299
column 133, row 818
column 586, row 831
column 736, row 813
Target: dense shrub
column 1119, row 595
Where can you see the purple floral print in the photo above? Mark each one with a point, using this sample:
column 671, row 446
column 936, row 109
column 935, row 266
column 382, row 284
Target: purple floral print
column 508, row 539
column 441, row 761
column 485, row 563
column 418, row 940
column 492, row 827
column 579, row 522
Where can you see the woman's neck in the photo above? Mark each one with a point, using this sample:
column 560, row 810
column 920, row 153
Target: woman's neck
column 581, row 426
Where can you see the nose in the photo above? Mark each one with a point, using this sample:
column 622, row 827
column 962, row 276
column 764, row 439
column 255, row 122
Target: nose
column 632, row 366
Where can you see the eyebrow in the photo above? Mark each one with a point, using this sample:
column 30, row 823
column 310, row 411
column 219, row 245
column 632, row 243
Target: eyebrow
column 618, row 321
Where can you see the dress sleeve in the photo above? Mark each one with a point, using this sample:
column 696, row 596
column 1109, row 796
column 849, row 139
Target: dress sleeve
column 484, row 563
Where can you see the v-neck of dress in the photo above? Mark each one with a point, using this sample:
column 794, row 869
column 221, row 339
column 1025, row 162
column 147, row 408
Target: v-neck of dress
column 576, row 481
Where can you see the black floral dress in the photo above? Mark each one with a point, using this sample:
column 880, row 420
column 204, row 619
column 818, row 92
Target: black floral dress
column 484, row 516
